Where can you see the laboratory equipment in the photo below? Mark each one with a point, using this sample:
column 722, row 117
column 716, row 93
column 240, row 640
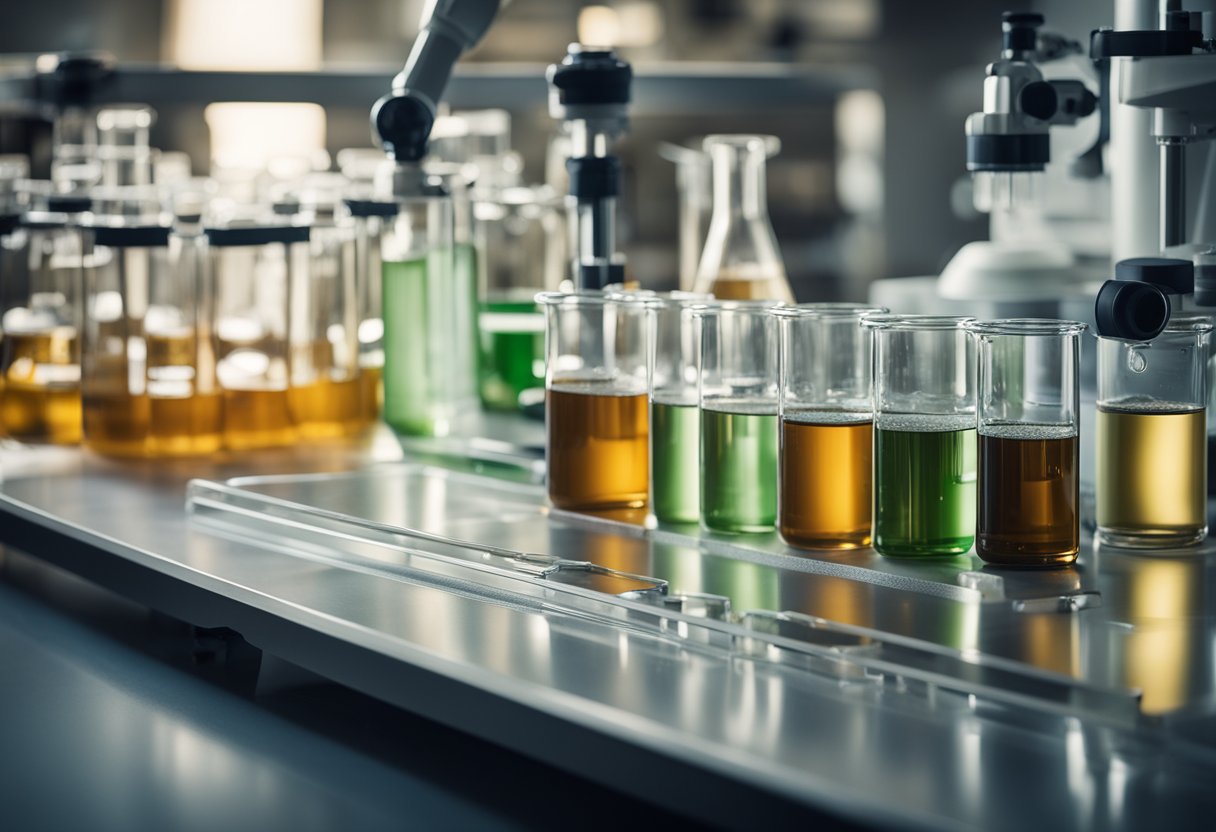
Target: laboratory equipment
column 370, row 219
column 68, row 83
column 924, row 435
column 1152, row 436
column 41, row 325
column 741, row 260
column 1029, row 449
column 430, row 365
column 589, row 91
column 596, row 417
column 694, row 185
column 259, row 267
column 517, row 228
column 827, row 434
column 675, row 421
column 739, row 402
column 123, row 149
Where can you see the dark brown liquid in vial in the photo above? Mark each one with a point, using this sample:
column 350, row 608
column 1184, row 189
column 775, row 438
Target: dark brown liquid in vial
column 1028, row 497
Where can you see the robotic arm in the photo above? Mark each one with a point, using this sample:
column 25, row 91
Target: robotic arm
column 402, row 120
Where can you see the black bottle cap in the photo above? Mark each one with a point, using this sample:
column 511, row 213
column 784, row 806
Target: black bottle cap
column 1172, row 275
column 591, row 76
column 130, row 236
column 68, row 203
column 371, row 208
column 1131, row 310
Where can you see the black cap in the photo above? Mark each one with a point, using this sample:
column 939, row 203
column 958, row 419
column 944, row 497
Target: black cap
column 130, row 236
column 591, row 76
column 1171, row 275
column 256, row 235
column 1019, row 30
column 1131, row 310
column 68, row 203
column 8, row 222
column 372, row 208
column 1007, row 152
column 597, row 276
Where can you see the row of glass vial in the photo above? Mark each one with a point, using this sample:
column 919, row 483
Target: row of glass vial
column 841, row 425
column 148, row 342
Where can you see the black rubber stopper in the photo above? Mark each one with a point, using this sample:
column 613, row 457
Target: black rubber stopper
column 1172, row 275
column 1131, row 310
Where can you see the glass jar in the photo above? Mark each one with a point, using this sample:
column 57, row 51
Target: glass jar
column 370, row 220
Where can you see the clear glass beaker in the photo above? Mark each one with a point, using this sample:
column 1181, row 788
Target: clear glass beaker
column 256, row 270
column 827, row 431
column 429, row 303
column 43, row 312
column 1029, row 445
column 924, row 435
column 516, row 229
column 741, row 260
column 123, row 148
column 370, row 219
column 596, row 402
column 739, row 402
column 1151, row 431
column 675, row 421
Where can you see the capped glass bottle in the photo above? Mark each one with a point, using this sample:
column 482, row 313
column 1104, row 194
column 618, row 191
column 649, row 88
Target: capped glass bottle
column 741, row 260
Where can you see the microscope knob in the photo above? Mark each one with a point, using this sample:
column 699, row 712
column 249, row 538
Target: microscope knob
column 1039, row 99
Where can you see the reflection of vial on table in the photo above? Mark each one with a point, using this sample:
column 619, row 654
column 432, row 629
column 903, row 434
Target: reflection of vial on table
column 1029, row 449
column 826, row 453
column 924, row 435
column 741, row 260
column 596, row 411
column 1152, row 437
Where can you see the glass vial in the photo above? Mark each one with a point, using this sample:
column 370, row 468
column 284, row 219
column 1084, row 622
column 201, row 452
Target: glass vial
column 255, row 270
column 1152, row 473
column 1029, row 444
column 596, row 403
column 40, row 360
column 429, row 300
column 675, row 421
column 741, row 260
column 739, row 402
column 827, row 432
column 370, row 220
column 924, row 435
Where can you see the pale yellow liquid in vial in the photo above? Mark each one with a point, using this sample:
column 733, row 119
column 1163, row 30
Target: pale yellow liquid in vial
column 183, row 420
column 1151, row 474
column 41, row 401
column 257, row 418
column 751, row 284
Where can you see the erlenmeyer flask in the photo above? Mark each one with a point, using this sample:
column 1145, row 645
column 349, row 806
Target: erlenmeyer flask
column 741, row 260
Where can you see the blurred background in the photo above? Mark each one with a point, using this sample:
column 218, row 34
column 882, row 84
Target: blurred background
column 868, row 98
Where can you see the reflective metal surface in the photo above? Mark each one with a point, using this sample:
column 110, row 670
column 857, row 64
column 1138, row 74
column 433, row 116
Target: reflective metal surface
column 803, row 714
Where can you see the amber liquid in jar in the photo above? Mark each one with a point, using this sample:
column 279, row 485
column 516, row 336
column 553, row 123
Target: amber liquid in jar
column 598, row 447
column 42, row 386
column 826, row 480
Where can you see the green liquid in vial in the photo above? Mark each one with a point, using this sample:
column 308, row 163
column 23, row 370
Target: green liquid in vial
column 512, row 349
column 739, row 470
column 675, row 469
column 924, row 489
column 430, row 356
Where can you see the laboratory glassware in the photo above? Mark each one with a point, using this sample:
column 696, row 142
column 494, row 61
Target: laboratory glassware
column 924, row 435
column 1029, row 443
column 429, row 305
column 41, row 322
column 675, row 420
column 694, row 180
column 1151, row 436
column 516, row 228
column 123, row 149
column 370, row 219
column 597, row 346
column 741, row 260
column 257, row 270
column 739, row 402
column 827, row 435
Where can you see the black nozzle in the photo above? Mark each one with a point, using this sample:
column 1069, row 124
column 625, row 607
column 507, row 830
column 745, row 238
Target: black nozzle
column 403, row 124
column 1019, row 30
column 1131, row 310
column 591, row 76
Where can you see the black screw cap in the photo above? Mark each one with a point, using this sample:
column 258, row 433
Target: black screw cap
column 1130, row 310
column 1171, row 275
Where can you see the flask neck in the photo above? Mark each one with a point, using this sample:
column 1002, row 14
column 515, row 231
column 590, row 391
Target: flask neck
column 739, row 186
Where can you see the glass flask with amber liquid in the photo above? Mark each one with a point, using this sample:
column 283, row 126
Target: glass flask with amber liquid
column 741, row 260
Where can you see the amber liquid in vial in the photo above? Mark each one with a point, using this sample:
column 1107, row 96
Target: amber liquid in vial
column 826, row 480
column 598, row 448
column 42, row 387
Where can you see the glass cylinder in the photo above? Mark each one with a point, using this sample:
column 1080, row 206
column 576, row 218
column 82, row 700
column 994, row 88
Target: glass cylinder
column 924, row 435
column 741, row 260
column 40, row 361
column 429, row 303
column 516, row 229
column 256, row 271
column 148, row 357
column 739, row 402
column 1029, row 446
column 675, row 421
column 827, row 434
column 370, row 220
column 74, row 162
column 1151, row 479
column 596, row 402
column 123, row 148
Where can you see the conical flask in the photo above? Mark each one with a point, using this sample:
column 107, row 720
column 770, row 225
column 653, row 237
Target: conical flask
column 741, row 260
